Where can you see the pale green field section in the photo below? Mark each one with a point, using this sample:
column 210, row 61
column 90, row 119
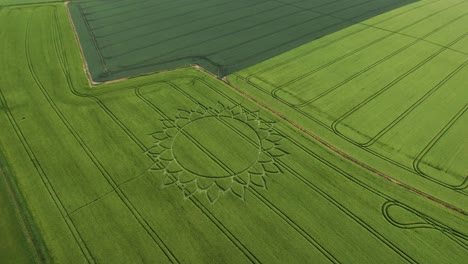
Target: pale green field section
column 14, row 245
column 178, row 167
column 392, row 92
column 25, row 2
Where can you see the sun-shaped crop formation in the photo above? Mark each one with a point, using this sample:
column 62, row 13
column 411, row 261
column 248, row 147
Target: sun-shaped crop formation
column 214, row 150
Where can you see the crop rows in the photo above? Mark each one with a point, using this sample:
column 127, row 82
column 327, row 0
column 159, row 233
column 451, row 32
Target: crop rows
column 112, row 206
column 121, row 40
column 349, row 82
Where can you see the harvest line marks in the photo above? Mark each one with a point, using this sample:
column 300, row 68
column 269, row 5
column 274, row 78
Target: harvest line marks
column 285, row 168
column 337, row 121
column 277, row 169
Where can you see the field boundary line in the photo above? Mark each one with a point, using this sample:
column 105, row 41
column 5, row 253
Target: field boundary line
column 347, row 156
column 312, row 118
column 93, row 39
column 91, row 82
column 145, row 64
column 94, row 84
column 83, row 58
column 322, row 193
column 327, row 127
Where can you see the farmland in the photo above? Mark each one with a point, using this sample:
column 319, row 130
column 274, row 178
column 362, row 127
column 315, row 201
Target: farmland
column 14, row 245
column 24, row 2
column 223, row 36
column 281, row 164
column 391, row 89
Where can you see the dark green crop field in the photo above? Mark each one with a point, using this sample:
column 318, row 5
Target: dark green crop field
column 350, row 148
column 133, row 37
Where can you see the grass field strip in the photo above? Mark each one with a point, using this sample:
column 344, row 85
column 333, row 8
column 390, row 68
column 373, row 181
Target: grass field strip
column 250, row 81
column 15, row 3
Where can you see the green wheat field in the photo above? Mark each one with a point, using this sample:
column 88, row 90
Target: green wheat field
column 216, row 131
